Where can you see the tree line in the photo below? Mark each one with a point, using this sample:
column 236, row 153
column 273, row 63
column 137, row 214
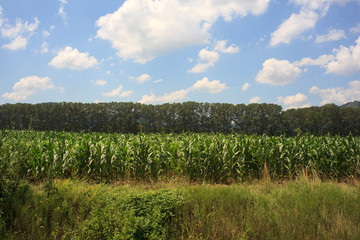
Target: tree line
column 128, row 117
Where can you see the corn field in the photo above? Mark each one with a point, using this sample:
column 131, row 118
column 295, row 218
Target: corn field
column 215, row 158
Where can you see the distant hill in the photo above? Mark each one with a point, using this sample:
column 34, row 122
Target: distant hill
column 355, row 104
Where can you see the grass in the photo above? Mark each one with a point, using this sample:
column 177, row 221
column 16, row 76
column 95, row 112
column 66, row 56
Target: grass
column 299, row 209
column 167, row 186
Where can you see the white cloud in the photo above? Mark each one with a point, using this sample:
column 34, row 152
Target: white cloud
column 178, row 96
column 347, row 60
column 320, row 61
column 158, row 80
column 9, row 31
column 245, row 86
column 118, row 92
column 338, row 95
column 221, row 47
column 355, row 29
column 293, row 27
column 46, row 33
column 142, row 29
column 73, row 59
column 343, row 61
column 207, row 58
column 18, row 34
column 44, row 47
column 114, row 92
column 332, row 35
column 254, row 100
column 126, row 93
column 278, row 72
column 298, row 23
column 99, row 82
column 210, row 87
column 61, row 10
column 18, row 43
column 296, row 101
column 28, row 86
column 141, row 79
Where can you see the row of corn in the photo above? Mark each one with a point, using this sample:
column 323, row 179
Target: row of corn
column 216, row 158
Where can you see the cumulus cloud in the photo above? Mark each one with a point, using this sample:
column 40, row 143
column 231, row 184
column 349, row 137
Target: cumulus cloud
column 347, row 60
column 203, row 85
column 293, row 27
column 19, row 43
column 332, row 35
column 210, row 87
column 245, row 86
column 296, row 101
column 278, row 72
column 221, row 47
column 343, row 61
column 118, row 92
column 142, row 29
column 320, row 61
column 176, row 96
column 28, row 86
column 207, row 58
column 338, row 95
column 19, row 34
column 142, row 78
column 254, row 100
column 298, row 23
column 73, row 59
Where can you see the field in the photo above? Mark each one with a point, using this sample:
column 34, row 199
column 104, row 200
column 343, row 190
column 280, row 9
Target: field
column 61, row 185
column 211, row 158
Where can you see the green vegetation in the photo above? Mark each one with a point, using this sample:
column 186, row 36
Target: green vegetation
column 213, row 158
column 63, row 185
column 117, row 117
column 301, row 209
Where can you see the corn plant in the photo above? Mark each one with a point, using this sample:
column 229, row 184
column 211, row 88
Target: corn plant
column 212, row 157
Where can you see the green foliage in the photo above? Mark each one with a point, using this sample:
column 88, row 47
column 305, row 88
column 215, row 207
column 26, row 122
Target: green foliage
column 75, row 210
column 135, row 216
column 299, row 209
column 127, row 117
column 12, row 189
column 213, row 158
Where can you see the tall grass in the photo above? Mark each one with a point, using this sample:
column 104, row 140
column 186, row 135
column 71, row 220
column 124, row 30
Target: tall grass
column 299, row 209
column 213, row 158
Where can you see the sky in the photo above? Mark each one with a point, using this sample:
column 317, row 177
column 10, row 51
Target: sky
column 294, row 53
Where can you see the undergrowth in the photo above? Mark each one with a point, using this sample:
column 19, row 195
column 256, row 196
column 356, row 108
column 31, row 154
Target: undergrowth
column 298, row 209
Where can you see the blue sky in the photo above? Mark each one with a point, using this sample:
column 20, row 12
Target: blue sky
column 294, row 53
